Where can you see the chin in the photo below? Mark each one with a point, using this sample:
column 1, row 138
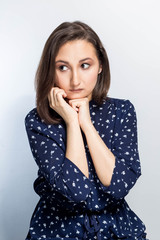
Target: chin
column 77, row 96
column 72, row 98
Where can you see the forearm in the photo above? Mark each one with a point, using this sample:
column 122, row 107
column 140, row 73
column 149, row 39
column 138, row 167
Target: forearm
column 75, row 150
column 103, row 159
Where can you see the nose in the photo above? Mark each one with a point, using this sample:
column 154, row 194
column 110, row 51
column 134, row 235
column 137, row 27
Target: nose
column 75, row 79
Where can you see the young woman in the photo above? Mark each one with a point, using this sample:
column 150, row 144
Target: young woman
column 84, row 143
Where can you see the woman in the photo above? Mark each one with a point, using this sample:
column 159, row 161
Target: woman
column 84, row 143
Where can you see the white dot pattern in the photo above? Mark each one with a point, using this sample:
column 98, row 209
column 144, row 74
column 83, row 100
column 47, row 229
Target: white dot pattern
column 72, row 206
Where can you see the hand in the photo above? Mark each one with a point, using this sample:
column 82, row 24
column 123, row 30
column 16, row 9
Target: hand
column 81, row 106
column 58, row 103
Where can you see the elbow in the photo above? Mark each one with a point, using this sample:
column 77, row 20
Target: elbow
column 71, row 190
column 78, row 198
column 106, row 182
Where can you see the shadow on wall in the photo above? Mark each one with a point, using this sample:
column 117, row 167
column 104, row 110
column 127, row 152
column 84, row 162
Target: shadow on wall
column 18, row 199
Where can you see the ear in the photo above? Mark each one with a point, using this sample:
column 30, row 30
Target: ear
column 100, row 69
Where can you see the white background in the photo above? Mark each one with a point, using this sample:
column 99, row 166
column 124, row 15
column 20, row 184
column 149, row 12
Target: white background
column 130, row 32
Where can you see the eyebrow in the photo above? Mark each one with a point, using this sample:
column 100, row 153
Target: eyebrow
column 82, row 60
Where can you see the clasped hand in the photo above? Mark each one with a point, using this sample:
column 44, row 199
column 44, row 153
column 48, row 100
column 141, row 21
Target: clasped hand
column 70, row 110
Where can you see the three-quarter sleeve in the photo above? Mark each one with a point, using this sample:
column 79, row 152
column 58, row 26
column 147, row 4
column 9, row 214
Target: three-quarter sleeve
column 48, row 150
column 125, row 149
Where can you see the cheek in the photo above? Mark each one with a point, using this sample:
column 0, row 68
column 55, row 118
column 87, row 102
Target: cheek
column 92, row 78
column 61, row 80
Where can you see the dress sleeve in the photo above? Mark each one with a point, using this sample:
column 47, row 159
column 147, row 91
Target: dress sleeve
column 61, row 173
column 125, row 149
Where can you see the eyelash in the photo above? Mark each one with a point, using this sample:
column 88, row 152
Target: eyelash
column 86, row 64
column 60, row 67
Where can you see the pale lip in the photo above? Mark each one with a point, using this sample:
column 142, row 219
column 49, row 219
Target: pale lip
column 76, row 90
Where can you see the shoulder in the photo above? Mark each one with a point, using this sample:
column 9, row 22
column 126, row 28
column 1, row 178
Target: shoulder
column 32, row 118
column 34, row 123
column 123, row 111
column 118, row 101
column 119, row 104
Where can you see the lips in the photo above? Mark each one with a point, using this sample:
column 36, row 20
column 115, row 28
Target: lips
column 76, row 90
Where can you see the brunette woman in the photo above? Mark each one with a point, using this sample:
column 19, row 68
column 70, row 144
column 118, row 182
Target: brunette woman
column 84, row 143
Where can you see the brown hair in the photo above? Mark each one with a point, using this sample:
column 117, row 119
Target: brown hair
column 45, row 75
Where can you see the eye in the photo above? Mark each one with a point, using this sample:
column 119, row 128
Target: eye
column 63, row 68
column 85, row 65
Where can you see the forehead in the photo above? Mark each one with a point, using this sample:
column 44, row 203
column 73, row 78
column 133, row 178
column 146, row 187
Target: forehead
column 76, row 49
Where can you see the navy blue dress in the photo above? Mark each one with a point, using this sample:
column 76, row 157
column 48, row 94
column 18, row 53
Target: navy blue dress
column 72, row 206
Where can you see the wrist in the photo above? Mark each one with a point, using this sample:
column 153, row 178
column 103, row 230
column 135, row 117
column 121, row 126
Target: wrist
column 72, row 123
column 87, row 127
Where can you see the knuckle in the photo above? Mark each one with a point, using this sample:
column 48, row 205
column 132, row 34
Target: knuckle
column 54, row 91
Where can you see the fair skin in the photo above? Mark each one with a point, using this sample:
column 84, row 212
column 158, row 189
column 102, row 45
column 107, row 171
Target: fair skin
column 77, row 67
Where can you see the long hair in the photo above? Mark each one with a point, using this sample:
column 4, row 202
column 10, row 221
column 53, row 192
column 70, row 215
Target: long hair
column 45, row 75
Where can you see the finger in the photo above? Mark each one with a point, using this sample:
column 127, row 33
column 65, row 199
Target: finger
column 74, row 105
column 52, row 97
column 62, row 92
column 59, row 96
column 79, row 101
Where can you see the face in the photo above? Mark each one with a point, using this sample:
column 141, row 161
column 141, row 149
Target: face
column 77, row 69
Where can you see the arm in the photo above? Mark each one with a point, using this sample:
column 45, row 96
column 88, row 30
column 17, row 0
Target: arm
column 75, row 150
column 75, row 147
column 118, row 170
column 49, row 151
column 124, row 173
column 125, row 149
column 103, row 159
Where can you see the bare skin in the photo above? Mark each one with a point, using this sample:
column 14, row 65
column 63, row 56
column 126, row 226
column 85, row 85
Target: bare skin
column 73, row 73
column 75, row 150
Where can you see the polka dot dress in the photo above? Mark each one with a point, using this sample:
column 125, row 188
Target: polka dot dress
column 72, row 206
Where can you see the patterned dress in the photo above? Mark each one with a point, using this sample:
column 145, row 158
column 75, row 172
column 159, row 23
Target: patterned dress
column 72, row 206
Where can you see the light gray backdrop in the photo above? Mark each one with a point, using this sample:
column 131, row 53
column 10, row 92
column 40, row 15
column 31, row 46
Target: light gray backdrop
column 131, row 34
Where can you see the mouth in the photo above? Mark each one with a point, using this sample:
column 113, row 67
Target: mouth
column 76, row 90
